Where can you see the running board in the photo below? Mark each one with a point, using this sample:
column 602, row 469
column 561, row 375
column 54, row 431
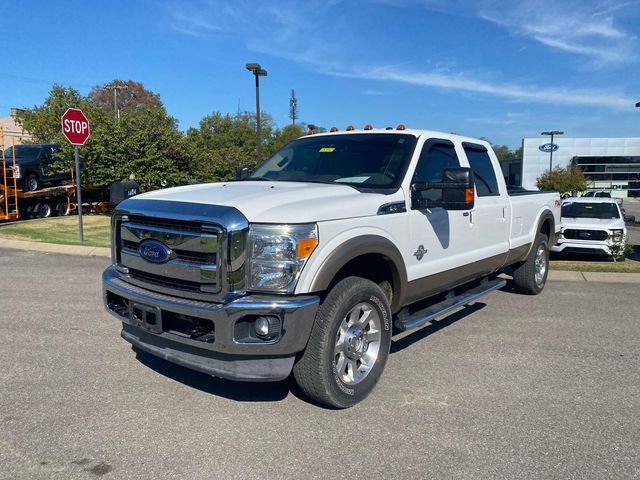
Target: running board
column 425, row 315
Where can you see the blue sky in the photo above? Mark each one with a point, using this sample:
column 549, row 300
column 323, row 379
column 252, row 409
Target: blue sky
column 494, row 68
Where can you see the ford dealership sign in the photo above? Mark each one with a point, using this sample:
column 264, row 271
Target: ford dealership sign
column 548, row 147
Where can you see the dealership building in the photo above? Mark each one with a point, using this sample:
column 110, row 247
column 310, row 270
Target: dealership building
column 611, row 164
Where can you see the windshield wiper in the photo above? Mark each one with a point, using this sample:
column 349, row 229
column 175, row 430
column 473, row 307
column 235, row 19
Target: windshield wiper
column 331, row 183
column 258, row 179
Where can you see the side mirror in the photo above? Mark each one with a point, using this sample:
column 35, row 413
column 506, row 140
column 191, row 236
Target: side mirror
column 242, row 173
column 456, row 190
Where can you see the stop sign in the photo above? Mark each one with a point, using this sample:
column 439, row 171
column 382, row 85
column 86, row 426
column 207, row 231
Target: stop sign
column 75, row 126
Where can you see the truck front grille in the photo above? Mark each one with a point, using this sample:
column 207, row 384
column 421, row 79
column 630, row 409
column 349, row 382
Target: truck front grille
column 583, row 234
column 191, row 270
column 161, row 281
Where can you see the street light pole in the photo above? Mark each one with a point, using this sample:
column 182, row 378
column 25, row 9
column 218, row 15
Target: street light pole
column 258, row 72
column 552, row 133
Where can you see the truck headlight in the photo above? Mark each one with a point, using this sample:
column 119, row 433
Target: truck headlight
column 277, row 254
column 616, row 235
column 16, row 171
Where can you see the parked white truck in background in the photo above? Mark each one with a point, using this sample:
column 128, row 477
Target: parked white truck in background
column 591, row 226
column 309, row 264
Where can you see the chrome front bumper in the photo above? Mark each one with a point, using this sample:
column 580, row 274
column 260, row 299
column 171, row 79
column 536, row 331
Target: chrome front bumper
column 221, row 354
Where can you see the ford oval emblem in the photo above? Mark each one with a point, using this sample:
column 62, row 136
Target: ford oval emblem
column 154, row 251
column 548, row 147
column 585, row 235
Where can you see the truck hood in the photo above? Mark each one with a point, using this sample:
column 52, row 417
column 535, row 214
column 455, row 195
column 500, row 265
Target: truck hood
column 592, row 223
column 281, row 202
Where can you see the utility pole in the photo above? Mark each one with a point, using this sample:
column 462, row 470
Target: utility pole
column 293, row 107
column 258, row 71
column 116, row 110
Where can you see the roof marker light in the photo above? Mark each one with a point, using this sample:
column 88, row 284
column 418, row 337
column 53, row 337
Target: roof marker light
column 349, row 128
column 368, row 127
column 400, row 127
column 334, row 129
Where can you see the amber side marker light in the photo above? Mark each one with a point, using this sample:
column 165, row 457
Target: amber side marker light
column 306, row 247
column 401, row 127
column 334, row 129
column 349, row 128
column 368, row 126
column 468, row 195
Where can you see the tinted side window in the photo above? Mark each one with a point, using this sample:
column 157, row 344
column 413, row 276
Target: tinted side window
column 485, row 175
column 434, row 158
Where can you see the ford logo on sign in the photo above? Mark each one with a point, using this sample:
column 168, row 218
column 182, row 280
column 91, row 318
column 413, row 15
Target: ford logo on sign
column 154, row 251
column 548, row 147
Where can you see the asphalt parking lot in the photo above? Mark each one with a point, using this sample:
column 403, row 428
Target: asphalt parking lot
column 512, row 387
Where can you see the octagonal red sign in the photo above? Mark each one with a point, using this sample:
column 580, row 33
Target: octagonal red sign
column 75, row 126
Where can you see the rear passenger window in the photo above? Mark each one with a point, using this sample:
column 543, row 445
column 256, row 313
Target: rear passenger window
column 485, row 175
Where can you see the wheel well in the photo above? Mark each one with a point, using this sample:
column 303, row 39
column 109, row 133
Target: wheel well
column 545, row 228
column 374, row 267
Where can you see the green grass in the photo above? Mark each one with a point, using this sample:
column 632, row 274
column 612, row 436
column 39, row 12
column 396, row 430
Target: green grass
column 628, row 266
column 63, row 230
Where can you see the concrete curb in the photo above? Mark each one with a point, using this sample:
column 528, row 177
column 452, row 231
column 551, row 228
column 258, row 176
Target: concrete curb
column 80, row 250
column 604, row 277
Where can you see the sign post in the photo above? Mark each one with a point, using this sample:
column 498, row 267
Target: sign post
column 75, row 127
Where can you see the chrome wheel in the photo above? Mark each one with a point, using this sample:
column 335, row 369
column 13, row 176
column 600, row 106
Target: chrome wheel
column 540, row 265
column 32, row 183
column 357, row 343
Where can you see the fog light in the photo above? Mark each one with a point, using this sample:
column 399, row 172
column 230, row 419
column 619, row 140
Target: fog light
column 262, row 327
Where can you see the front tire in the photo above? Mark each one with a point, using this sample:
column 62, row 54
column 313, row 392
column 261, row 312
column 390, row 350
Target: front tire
column 31, row 183
column 530, row 276
column 349, row 344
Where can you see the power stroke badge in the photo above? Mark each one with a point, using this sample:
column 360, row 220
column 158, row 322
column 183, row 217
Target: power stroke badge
column 420, row 252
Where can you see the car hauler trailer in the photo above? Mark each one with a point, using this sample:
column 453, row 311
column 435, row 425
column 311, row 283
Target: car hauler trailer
column 16, row 204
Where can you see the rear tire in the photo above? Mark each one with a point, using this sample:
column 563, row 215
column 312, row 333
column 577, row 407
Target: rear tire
column 45, row 210
column 62, row 208
column 348, row 346
column 530, row 276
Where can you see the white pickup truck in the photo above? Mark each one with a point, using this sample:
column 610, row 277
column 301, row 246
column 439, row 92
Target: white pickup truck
column 309, row 264
column 591, row 225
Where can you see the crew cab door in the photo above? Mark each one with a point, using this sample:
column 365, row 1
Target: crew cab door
column 490, row 218
column 438, row 238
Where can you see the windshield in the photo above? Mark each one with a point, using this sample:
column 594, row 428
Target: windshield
column 23, row 151
column 370, row 160
column 590, row 210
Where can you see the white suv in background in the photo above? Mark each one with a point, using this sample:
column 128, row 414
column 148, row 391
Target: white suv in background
column 590, row 225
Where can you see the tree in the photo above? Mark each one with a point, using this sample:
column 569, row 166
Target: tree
column 145, row 143
column 283, row 136
column 131, row 96
column 502, row 151
column 563, row 179
column 43, row 121
column 518, row 152
column 222, row 142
